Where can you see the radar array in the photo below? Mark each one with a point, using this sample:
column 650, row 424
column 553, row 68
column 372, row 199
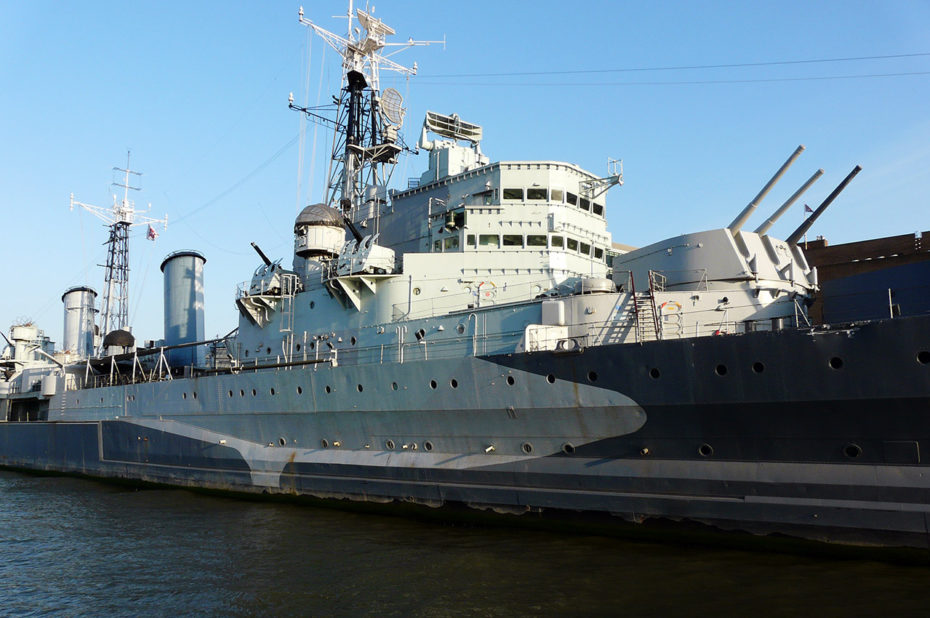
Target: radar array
column 367, row 121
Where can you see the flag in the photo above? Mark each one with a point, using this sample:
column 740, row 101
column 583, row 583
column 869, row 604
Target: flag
column 807, row 209
column 151, row 234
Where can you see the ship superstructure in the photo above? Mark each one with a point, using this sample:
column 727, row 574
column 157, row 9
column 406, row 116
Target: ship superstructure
column 476, row 338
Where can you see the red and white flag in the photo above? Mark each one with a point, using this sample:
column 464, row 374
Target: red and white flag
column 152, row 234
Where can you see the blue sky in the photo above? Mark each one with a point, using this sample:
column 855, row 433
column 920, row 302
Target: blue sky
column 198, row 92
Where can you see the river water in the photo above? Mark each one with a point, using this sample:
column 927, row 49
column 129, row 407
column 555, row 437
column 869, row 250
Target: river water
column 73, row 546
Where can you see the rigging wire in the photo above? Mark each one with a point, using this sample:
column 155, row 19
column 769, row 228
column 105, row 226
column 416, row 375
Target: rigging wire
column 691, row 82
column 682, row 67
column 303, row 126
column 316, row 125
column 242, row 180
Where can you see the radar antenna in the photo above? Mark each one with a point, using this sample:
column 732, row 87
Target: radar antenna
column 120, row 218
column 367, row 141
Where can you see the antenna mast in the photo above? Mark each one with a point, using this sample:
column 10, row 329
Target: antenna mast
column 367, row 141
column 120, row 218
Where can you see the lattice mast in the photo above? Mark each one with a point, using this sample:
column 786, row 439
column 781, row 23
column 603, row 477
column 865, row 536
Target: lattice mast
column 367, row 141
column 114, row 313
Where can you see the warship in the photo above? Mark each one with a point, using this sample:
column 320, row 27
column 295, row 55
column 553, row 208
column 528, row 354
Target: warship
column 476, row 339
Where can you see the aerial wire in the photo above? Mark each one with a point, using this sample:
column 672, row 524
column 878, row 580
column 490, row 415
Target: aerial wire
column 694, row 82
column 303, row 126
column 316, row 125
column 687, row 67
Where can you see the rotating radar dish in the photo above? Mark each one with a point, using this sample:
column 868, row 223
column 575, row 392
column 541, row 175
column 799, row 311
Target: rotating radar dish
column 391, row 109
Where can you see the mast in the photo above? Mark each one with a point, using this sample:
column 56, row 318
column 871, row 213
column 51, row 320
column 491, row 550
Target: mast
column 114, row 314
column 367, row 141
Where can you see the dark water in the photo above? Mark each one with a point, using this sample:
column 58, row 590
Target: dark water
column 71, row 546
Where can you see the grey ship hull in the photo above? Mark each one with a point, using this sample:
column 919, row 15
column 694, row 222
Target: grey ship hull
column 815, row 434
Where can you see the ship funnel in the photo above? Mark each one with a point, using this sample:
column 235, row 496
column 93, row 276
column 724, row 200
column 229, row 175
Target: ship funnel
column 740, row 220
column 78, row 335
column 184, row 306
column 762, row 229
column 802, row 230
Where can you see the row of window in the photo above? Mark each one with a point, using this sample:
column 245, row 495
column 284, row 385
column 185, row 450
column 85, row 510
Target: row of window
column 519, row 241
column 553, row 195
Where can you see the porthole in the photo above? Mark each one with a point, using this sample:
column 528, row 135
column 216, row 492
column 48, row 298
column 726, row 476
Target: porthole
column 836, row 362
column 758, row 367
column 359, row 388
column 526, row 447
column 312, row 345
column 705, row 450
column 852, row 450
column 230, row 393
column 328, row 389
column 254, row 392
column 267, row 350
column 454, row 383
column 510, row 381
column 460, row 329
column 272, row 392
column 427, row 445
column 389, row 445
column 720, row 370
column 282, row 441
column 324, row 443
column 298, row 347
column 194, row 394
column 568, row 448
column 353, row 340
column 654, row 373
column 300, row 391
column 241, row 393
column 246, row 353
column 592, row 376
column 183, row 395
column 923, row 357
column 433, row 384
column 312, row 304
column 550, row 379
column 416, row 291
column 393, row 386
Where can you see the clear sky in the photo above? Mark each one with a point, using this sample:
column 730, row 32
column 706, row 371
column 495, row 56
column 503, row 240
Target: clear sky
column 703, row 101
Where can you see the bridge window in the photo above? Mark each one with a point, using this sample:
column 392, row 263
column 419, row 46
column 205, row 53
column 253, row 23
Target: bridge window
column 513, row 240
column 598, row 253
column 585, row 249
column 571, row 198
column 555, row 195
column 470, row 240
column 536, row 240
column 437, row 246
column 452, row 242
column 489, row 240
column 513, row 194
column 598, row 209
column 585, row 204
column 572, row 244
column 556, row 242
column 536, row 194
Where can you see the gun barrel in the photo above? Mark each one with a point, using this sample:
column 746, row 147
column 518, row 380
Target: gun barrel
column 802, row 230
column 762, row 229
column 741, row 219
column 261, row 254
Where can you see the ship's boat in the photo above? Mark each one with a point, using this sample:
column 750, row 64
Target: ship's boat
column 476, row 338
